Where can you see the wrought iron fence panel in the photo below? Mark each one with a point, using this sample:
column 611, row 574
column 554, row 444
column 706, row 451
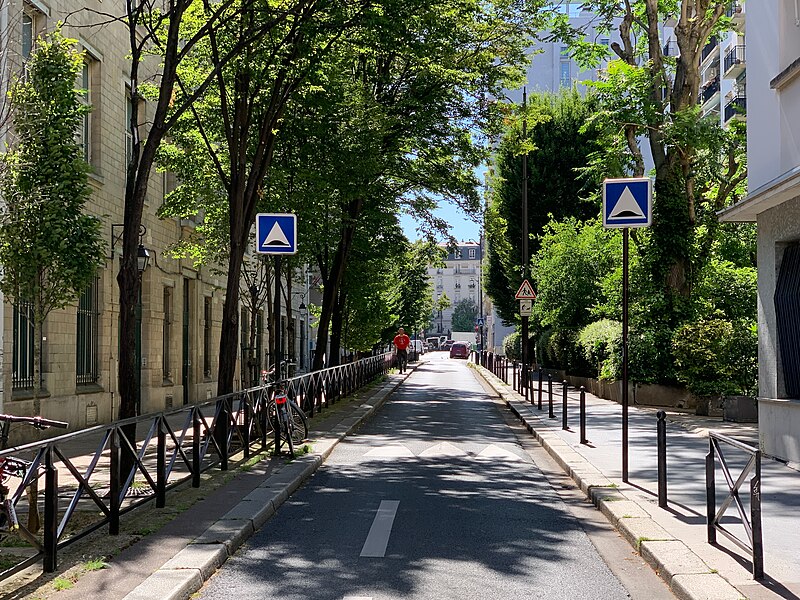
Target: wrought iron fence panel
column 175, row 448
column 750, row 523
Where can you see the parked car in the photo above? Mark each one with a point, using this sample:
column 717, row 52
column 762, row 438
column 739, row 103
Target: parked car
column 447, row 345
column 459, row 350
column 417, row 346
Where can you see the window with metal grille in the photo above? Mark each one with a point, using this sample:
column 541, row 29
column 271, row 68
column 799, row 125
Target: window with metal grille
column 207, row 337
column 166, row 336
column 87, row 338
column 22, row 359
column 787, row 318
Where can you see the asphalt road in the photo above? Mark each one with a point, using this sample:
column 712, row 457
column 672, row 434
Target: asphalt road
column 435, row 498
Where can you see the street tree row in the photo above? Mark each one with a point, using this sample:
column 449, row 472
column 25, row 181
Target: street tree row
column 687, row 268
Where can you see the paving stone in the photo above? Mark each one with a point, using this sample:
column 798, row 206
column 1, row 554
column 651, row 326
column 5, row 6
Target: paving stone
column 637, row 530
column 168, row 585
column 205, row 558
column 231, row 532
column 279, row 492
column 622, row 509
column 589, row 482
column 709, row 586
column 671, row 558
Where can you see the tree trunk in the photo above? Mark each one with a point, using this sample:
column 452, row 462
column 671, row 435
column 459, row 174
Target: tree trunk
column 229, row 335
column 337, row 321
column 334, row 279
column 669, row 251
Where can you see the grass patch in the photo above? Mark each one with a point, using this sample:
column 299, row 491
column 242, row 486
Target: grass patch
column 13, row 541
column 95, row 564
column 9, row 560
column 639, row 542
column 62, row 583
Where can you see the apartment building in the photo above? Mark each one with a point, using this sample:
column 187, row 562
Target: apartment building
column 179, row 315
column 773, row 202
column 723, row 73
column 459, row 279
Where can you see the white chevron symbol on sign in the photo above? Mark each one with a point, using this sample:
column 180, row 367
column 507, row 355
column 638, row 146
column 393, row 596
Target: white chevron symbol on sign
column 626, row 207
column 276, row 237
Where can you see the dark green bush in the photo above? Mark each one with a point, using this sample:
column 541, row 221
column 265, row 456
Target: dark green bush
column 650, row 355
column 715, row 356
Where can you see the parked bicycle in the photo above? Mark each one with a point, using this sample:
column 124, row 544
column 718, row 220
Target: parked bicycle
column 18, row 468
column 287, row 419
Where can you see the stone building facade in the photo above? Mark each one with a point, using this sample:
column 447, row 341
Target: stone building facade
column 181, row 305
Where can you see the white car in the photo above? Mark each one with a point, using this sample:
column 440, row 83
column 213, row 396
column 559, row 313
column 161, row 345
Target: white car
column 417, row 346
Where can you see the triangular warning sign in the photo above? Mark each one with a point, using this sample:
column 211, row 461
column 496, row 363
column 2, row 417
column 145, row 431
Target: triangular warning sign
column 525, row 291
column 626, row 207
column 276, row 237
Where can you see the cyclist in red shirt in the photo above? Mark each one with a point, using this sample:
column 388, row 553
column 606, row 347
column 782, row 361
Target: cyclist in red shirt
column 401, row 342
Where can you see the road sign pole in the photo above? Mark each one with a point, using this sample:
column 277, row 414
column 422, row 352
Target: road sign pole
column 525, row 257
column 277, row 320
column 625, row 355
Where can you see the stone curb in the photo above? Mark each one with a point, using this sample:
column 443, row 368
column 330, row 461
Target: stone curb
column 189, row 569
column 687, row 576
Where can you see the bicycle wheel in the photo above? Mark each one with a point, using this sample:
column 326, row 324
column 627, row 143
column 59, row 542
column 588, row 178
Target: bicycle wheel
column 299, row 423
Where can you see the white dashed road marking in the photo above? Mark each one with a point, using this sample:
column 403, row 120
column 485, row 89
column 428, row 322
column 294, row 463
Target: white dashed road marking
column 378, row 536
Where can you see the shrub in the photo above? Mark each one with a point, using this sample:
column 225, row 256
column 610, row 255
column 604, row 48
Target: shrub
column 727, row 291
column 650, row 355
column 558, row 348
column 715, row 356
column 512, row 346
column 601, row 343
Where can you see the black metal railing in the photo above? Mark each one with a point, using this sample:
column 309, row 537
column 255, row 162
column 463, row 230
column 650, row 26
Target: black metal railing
column 735, row 106
column 709, row 91
column 708, row 48
column 752, row 522
column 177, row 447
column 734, row 56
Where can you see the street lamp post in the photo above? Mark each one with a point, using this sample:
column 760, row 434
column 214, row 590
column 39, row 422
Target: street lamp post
column 304, row 337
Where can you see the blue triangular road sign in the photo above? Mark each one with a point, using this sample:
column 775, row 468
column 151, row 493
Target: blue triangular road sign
column 627, row 202
column 276, row 233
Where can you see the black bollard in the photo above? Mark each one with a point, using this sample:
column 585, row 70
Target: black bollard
column 661, row 435
column 550, row 395
column 583, row 416
column 564, row 406
column 529, row 385
column 540, row 389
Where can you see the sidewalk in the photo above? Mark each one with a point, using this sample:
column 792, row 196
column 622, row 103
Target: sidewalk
column 174, row 560
column 672, row 540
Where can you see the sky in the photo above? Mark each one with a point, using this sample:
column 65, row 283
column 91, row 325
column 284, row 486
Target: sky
column 461, row 228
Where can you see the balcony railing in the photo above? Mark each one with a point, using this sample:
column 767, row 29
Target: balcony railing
column 734, row 9
column 735, row 106
column 734, row 57
column 709, row 48
column 709, row 91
